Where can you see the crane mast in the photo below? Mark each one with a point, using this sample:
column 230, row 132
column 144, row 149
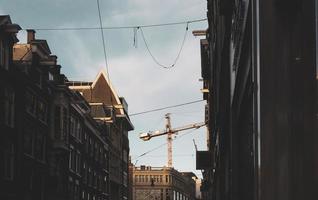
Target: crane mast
column 169, row 139
column 169, row 132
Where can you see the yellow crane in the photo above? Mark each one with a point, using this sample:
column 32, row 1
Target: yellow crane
column 169, row 132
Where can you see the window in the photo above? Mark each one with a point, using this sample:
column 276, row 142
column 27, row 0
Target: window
column 101, row 156
column 60, row 123
column 28, row 141
column 106, row 160
column 78, row 133
column 125, row 179
column 9, row 97
column 76, row 190
column 64, row 123
column 40, row 144
column 136, row 178
column 77, row 162
column 85, row 173
column 125, row 156
column 87, row 144
column 161, row 194
column 90, row 178
column 4, row 54
column 96, row 150
column 57, row 122
column 75, row 128
column 51, row 77
column 30, row 105
column 71, row 189
column 91, row 144
column 9, row 161
column 37, row 77
column 105, row 184
column 41, row 111
column 72, row 158
column 95, row 180
column 72, row 125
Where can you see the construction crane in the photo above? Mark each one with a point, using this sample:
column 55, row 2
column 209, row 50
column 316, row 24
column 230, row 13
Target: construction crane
column 169, row 132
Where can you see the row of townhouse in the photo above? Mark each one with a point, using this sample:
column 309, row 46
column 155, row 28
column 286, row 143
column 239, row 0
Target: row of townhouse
column 56, row 142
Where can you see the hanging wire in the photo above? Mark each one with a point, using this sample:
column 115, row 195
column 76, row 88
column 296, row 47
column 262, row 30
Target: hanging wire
column 136, row 37
column 178, row 55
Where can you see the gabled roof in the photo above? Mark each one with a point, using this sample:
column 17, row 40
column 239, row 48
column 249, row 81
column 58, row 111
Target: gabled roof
column 101, row 76
column 101, row 91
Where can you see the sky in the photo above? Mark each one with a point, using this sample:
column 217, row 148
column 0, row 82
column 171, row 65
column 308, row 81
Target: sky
column 132, row 71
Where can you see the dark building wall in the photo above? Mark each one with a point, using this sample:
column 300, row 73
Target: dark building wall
column 101, row 92
column 45, row 132
column 266, row 153
column 287, row 96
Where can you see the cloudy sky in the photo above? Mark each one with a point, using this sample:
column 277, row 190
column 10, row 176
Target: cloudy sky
column 133, row 73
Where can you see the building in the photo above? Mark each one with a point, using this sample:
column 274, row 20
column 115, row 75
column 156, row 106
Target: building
column 259, row 65
column 10, row 153
column 67, row 153
column 162, row 183
column 107, row 107
column 54, row 143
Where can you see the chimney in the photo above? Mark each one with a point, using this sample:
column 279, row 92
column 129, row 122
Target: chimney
column 31, row 35
column 54, row 58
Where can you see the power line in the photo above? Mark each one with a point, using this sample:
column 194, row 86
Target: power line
column 178, row 55
column 104, row 47
column 117, row 27
column 103, row 38
column 167, row 107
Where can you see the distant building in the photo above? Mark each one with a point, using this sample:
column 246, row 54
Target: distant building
column 162, row 183
column 198, row 193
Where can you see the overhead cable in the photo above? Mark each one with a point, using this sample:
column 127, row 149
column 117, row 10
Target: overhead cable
column 117, row 27
column 155, row 59
column 103, row 38
column 104, row 47
column 167, row 107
